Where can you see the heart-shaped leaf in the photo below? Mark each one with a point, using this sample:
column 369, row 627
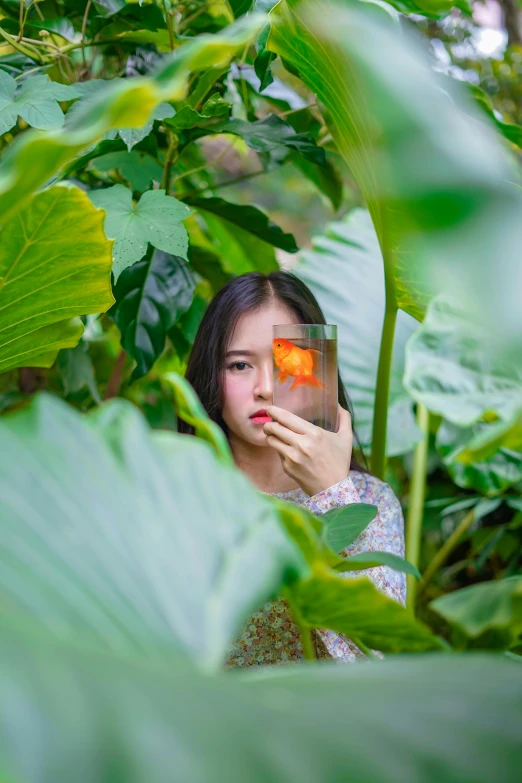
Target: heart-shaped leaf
column 72, row 715
column 453, row 369
column 110, row 535
column 150, row 297
column 487, row 615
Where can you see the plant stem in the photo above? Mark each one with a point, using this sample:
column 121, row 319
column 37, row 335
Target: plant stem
column 446, row 549
column 305, row 631
column 114, row 383
column 382, row 392
column 28, row 52
column 208, row 163
column 85, row 44
column 169, row 159
column 84, row 27
column 168, row 22
column 365, row 649
column 416, row 504
column 224, row 184
column 21, row 21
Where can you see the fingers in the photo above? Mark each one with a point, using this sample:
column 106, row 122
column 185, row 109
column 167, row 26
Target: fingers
column 283, row 449
column 290, row 420
column 345, row 420
column 281, row 432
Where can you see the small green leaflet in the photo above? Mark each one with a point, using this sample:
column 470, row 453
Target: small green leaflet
column 155, row 219
column 138, row 168
column 365, row 560
column 36, row 102
column 343, row 525
column 76, row 371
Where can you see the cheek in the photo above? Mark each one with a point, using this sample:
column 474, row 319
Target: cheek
column 238, row 392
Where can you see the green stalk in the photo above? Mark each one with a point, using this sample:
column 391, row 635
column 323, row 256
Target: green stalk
column 305, row 631
column 446, row 550
column 416, row 504
column 382, row 392
column 168, row 22
column 30, row 52
column 365, row 649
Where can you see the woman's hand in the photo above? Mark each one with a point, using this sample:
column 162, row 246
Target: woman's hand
column 315, row 458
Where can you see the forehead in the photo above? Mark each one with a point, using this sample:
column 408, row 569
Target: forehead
column 254, row 329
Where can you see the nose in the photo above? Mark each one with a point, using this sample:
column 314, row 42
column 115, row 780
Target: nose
column 264, row 382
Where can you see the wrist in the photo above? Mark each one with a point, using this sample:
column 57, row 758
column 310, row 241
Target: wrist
column 315, row 487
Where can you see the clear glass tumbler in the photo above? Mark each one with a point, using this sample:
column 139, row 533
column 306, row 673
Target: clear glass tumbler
column 305, row 372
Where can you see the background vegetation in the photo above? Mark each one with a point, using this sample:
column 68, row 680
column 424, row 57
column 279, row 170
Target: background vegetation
column 150, row 152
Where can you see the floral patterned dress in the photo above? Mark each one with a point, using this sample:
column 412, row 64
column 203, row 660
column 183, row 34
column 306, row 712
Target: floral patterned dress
column 271, row 636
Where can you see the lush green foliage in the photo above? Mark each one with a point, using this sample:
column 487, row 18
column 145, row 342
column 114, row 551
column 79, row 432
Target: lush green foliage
column 150, row 153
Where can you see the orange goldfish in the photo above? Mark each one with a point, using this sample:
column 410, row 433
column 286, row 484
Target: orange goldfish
column 296, row 362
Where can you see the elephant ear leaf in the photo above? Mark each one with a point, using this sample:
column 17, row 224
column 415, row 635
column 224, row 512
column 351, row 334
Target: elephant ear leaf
column 42, row 293
column 439, row 209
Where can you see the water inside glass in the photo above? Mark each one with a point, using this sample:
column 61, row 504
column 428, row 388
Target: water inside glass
column 305, row 372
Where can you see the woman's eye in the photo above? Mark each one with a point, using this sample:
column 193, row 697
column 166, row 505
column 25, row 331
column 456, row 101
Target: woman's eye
column 237, row 365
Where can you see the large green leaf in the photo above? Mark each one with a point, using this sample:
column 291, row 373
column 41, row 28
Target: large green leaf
column 270, row 134
column 352, row 606
column 33, row 158
column 70, row 714
column 487, row 615
column 453, row 369
column 150, row 297
column 240, row 251
column 247, row 218
column 356, row 608
column 110, row 533
column 434, row 174
column 156, row 218
column 490, row 475
column 502, row 434
column 326, row 178
column 344, row 269
column 36, row 102
column 54, row 266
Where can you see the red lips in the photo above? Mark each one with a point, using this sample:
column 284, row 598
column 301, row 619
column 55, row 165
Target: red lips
column 259, row 413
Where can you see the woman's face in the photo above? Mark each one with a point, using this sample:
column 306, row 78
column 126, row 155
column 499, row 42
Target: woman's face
column 249, row 371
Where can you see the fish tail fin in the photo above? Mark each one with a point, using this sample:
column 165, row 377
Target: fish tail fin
column 307, row 380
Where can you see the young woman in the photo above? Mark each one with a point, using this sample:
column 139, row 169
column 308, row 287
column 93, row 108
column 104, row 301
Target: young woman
column 231, row 369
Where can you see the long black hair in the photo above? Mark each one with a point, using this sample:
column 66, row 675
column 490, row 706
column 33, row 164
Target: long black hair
column 246, row 293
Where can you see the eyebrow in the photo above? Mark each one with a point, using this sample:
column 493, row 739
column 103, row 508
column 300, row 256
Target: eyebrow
column 240, row 353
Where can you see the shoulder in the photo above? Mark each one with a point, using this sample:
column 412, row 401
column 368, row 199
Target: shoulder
column 375, row 491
